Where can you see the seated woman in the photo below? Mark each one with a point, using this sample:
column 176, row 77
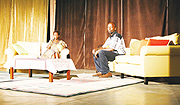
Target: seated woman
column 56, row 48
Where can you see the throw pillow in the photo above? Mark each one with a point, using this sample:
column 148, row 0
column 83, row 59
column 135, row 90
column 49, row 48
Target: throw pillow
column 142, row 43
column 174, row 37
column 134, row 44
column 20, row 50
column 156, row 42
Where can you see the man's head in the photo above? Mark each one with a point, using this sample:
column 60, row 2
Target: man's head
column 111, row 27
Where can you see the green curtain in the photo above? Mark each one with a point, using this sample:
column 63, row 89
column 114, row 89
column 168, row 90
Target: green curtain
column 22, row 20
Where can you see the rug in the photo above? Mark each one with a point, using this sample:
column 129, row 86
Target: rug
column 5, row 77
column 82, row 84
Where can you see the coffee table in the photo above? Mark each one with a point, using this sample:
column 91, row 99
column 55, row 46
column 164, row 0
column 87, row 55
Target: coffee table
column 52, row 65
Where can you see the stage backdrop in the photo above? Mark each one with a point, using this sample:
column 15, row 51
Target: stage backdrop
column 83, row 23
column 22, row 20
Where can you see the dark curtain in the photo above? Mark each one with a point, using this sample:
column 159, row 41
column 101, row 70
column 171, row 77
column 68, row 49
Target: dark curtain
column 48, row 26
column 173, row 16
column 83, row 23
column 98, row 14
column 143, row 18
column 70, row 16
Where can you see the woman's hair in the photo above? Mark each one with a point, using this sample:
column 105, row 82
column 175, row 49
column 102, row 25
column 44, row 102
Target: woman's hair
column 56, row 32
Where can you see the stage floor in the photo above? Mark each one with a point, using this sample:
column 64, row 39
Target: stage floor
column 155, row 93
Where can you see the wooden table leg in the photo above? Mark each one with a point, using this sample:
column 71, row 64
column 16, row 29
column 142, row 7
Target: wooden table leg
column 50, row 77
column 68, row 75
column 30, row 72
column 11, row 73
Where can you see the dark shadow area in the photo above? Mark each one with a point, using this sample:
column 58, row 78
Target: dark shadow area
column 165, row 80
column 48, row 25
column 60, row 76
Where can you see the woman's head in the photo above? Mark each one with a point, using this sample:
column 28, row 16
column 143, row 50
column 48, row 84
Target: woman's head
column 56, row 34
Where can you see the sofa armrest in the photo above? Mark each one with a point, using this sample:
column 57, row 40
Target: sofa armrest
column 160, row 50
column 64, row 53
column 10, row 53
column 127, row 51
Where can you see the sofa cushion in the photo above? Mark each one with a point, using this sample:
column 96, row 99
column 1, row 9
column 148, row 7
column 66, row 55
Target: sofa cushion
column 142, row 43
column 157, row 42
column 122, row 59
column 25, row 56
column 19, row 49
column 134, row 44
column 174, row 37
column 33, row 48
column 136, row 59
column 43, row 47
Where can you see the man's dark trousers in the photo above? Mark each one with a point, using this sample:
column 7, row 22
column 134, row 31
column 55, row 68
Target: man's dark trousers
column 101, row 62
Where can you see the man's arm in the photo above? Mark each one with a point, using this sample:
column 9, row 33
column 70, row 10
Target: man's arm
column 96, row 51
column 104, row 47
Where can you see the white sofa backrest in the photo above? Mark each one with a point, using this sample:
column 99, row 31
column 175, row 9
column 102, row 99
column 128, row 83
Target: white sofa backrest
column 127, row 51
column 43, row 47
column 33, row 48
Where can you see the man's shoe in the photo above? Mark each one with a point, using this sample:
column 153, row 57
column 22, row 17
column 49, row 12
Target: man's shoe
column 106, row 75
column 97, row 74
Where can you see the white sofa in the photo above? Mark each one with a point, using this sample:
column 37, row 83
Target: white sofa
column 33, row 49
column 153, row 61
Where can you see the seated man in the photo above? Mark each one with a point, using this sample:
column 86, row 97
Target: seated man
column 113, row 46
